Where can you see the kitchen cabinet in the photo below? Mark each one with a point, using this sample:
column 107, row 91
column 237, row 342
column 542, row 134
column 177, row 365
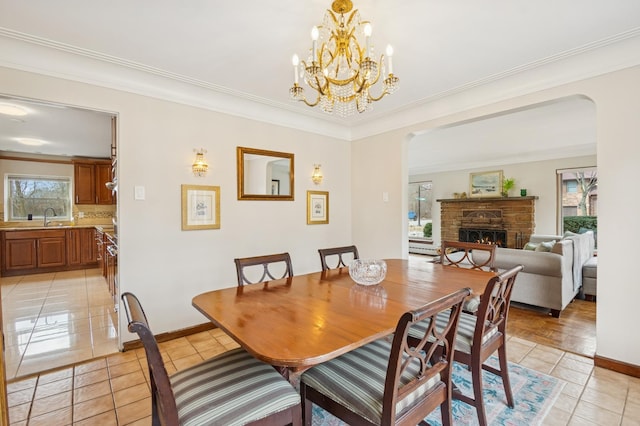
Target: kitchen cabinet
column 48, row 250
column 33, row 251
column 81, row 247
column 89, row 179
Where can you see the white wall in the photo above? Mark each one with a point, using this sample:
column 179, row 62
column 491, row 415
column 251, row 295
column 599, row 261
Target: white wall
column 164, row 265
column 538, row 177
column 617, row 99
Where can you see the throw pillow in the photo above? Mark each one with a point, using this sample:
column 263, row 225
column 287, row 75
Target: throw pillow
column 531, row 246
column 546, row 246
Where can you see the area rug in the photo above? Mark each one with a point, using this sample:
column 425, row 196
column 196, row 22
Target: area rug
column 534, row 394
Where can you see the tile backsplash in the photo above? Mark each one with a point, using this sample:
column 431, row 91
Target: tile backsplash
column 91, row 215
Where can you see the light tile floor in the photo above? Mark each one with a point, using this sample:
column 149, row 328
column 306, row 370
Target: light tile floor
column 56, row 319
column 115, row 390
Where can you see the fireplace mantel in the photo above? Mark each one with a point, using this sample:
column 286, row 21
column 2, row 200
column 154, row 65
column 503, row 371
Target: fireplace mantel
column 517, row 217
column 485, row 199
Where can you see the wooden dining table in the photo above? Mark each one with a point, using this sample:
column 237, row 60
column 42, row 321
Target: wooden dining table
column 294, row 323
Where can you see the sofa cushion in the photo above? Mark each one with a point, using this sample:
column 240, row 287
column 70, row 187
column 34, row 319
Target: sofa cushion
column 542, row 263
column 546, row 246
column 590, row 268
column 538, row 238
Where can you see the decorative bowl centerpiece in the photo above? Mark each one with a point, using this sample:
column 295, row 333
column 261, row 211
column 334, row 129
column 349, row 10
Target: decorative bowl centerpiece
column 368, row 271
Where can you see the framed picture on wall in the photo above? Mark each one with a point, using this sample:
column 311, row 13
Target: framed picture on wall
column 317, row 207
column 200, row 207
column 485, row 184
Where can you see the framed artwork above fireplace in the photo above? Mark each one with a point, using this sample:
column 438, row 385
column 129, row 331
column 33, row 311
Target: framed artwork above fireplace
column 485, row 184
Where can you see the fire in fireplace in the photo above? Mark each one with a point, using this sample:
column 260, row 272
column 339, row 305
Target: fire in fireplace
column 485, row 236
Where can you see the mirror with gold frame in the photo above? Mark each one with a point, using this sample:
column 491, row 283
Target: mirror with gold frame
column 264, row 175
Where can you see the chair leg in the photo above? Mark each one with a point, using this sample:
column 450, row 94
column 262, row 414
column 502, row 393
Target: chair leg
column 307, row 406
column 297, row 416
column 476, row 377
column 445, row 411
column 504, row 373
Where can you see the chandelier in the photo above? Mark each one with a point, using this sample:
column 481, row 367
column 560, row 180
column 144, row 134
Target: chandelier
column 340, row 69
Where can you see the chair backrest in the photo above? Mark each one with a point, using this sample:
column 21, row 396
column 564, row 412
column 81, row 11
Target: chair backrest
column 163, row 403
column 413, row 363
column 494, row 306
column 351, row 251
column 468, row 255
column 270, row 264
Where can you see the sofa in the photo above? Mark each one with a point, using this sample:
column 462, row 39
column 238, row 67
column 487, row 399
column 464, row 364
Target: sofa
column 549, row 279
column 590, row 278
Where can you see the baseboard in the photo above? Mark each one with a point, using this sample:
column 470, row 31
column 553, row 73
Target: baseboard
column 163, row 337
column 617, row 366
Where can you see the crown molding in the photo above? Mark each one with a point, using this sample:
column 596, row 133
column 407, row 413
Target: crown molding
column 34, row 54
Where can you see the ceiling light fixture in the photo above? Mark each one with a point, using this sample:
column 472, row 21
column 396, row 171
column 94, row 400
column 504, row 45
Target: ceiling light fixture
column 200, row 165
column 32, row 142
column 340, row 68
column 13, row 110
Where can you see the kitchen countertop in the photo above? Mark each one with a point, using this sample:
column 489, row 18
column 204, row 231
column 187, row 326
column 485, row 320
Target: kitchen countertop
column 39, row 228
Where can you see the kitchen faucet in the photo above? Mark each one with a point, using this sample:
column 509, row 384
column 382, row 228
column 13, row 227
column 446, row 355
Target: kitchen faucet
column 47, row 222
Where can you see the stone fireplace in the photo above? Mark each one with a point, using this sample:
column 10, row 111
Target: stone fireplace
column 506, row 221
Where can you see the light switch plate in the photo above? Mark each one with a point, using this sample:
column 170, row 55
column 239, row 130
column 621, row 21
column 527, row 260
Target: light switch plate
column 138, row 192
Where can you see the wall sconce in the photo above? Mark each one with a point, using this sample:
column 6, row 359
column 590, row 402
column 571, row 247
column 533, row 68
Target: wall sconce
column 200, row 165
column 316, row 177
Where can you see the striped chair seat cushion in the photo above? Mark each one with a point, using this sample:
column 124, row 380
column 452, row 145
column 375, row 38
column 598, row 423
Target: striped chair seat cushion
column 466, row 328
column 356, row 380
column 233, row 388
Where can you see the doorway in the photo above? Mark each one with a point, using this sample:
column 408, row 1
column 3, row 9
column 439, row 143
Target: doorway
column 57, row 318
column 529, row 144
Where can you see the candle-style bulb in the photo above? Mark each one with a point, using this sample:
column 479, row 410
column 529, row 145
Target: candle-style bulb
column 295, row 61
column 314, row 43
column 389, row 55
column 367, row 38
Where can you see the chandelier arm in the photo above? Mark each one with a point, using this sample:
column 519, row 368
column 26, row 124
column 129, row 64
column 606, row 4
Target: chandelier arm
column 322, row 90
column 382, row 95
column 311, row 104
column 341, row 82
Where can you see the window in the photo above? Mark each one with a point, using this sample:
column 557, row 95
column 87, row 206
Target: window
column 420, row 201
column 578, row 196
column 31, row 195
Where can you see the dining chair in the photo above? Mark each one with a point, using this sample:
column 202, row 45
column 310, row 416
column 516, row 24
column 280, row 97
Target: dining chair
column 232, row 388
column 471, row 256
column 480, row 336
column 274, row 266
column 468, row 255
column 390, row 381
column 350, row 251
